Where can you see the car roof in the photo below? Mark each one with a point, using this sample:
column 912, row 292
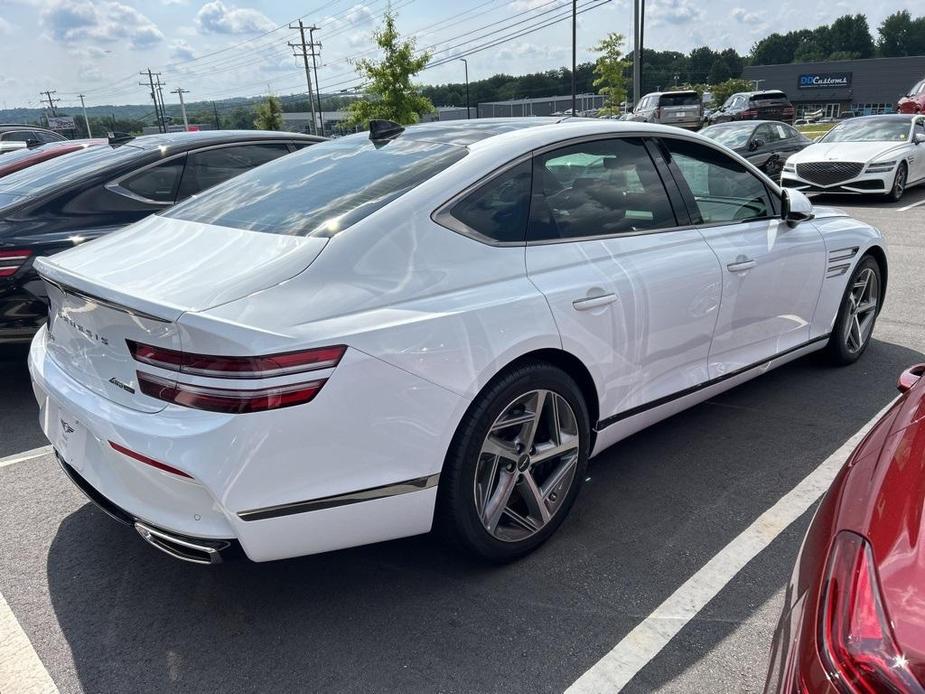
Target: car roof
column 185, row 140
column 6, row 127
column 468, row 132
column 889, row 116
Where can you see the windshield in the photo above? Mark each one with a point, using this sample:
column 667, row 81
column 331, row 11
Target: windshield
column 869, row 130
column 321, row 190
column 733, row 136
column 65, row 169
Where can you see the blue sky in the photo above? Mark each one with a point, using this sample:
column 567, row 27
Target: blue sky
column 224, row 48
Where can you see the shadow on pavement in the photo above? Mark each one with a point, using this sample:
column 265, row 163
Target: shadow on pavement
column 412, row 615
column 19, row 429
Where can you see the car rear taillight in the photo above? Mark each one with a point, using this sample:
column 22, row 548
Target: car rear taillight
column 788, row 110
column 749, row 113
column 229, row 397
column 856, row 641
column 280, row 364
column 12, row 260
column 228, row 400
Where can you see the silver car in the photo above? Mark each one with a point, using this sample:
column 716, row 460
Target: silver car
column 681, row 108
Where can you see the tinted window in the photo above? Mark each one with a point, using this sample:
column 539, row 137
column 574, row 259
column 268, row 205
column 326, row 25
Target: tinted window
column 63, row 170
column 723, row 189
column 680, row 99
column 768, row 97
column 499, row 208
column 45, row 137
column 764, row 133
column 158, row 183
column 323, row 189
column 597, row 188
column 213, row 166
column 19, row 136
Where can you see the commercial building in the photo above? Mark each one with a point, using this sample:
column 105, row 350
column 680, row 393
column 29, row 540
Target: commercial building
column 543, row 106
column 863, row 86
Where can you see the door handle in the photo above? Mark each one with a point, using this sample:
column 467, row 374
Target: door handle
column 741, row 265
column 590, row 302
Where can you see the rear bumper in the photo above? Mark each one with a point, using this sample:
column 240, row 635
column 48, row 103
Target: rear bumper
column 358, row 464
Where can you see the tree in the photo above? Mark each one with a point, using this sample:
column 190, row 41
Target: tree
column 269, row 115
column 608, row 73
column 851, row 34
column 699, row 64
column 901, row 35
column 775, row 49
column 724, row 90
column 388, row 81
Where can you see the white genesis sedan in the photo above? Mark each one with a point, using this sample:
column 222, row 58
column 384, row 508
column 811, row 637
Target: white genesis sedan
column 868, row 155
column 428, row 327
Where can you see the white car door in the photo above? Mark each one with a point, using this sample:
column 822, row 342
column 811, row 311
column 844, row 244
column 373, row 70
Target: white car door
column 633, row 296
column 917, row 158
column 772, row 272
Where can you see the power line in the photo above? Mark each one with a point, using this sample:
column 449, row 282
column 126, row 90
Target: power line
column 304, row 48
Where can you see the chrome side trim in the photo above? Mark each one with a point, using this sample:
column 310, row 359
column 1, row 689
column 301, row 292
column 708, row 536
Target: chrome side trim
column 179, row 548
column 66, row 289
column 386, row 490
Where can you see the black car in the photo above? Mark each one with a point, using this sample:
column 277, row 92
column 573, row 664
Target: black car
column 56, row 204
column 13, row 137
column 766, row 144
column 771, row 104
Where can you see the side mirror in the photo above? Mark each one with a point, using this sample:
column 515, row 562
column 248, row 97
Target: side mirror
column 796, row 207
column 755, row 144
column 918, row 139
column 910, row 377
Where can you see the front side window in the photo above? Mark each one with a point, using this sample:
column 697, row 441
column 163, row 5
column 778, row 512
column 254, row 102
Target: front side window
column 597, row 188
column 158, row 183
column 210, row 167
column 498, row 209
column 722, row 189
column 764, row 134
column 45, row 137
column 19, row 136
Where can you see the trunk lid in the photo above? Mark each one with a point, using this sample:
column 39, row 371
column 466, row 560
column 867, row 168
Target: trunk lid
column 135, row 284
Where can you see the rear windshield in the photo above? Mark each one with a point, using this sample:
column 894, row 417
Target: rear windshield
column 768, row 97
column 680, row 99
column 64, row 169
column 320, row 190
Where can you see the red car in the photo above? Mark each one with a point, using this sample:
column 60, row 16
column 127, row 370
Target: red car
column 25, row 158
column 914, row 101
column 854, row 614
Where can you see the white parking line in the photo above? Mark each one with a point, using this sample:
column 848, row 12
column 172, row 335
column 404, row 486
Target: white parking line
column 21, row 671
column 909, row 207
column 23, row 457
column 614, row 671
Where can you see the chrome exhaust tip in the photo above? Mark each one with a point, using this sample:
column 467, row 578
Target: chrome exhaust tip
column 182, row 548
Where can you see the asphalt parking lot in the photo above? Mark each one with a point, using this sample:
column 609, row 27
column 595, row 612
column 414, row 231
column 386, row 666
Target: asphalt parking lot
column 106, row 613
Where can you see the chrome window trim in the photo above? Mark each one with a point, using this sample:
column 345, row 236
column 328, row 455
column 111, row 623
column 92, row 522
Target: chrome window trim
column 115, row 185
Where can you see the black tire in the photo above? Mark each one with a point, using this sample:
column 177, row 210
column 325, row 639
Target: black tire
column 839, row 351
column 899, row 183
column 457, row 517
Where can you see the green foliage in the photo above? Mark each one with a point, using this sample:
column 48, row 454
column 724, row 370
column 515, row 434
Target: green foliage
column 900, row 35
column 269, row 115
column 609, row 70
column 846, row 38
column 724, row 90
column 851, row 34
column 388, row 82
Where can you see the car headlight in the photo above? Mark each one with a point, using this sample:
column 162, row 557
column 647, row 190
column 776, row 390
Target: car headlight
column 881, row 166
column 790, row 168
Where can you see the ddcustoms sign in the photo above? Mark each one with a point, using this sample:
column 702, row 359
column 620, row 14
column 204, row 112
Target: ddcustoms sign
column 825, row 80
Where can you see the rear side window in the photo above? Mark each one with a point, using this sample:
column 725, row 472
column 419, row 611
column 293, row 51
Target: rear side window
column 499, row 208
column 158, row 183
column 45, row 137
column 19, row 136
column 597, row 188
column 723, row 189
column 680, row 99
column 210, row 167
column 322, row 189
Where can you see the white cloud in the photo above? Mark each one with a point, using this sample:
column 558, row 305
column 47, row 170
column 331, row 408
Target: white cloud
column 740, row 14
column 69, row 21
column 673, row 12
column 217, row 18
column 180, row 50
column 6, row 29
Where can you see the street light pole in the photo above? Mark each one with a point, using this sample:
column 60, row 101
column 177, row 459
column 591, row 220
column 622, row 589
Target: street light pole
column 468, row 112
column 574, row 60
column 83, row 107
column 179, row 91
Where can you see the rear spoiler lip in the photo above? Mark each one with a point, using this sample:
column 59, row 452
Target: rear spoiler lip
column 75, row 285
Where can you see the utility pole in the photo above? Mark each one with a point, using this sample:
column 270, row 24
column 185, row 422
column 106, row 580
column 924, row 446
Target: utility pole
column 468, row 113
column 312, row 44
column 179, row 91
column 639, row 20
column 157, row 106
column 83, row 107
column 218, row 125
column 574, row 65
column 51, row 102
column 303, row 49
column 160, row 97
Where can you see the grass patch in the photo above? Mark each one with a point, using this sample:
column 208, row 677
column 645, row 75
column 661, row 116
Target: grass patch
column 815, row 129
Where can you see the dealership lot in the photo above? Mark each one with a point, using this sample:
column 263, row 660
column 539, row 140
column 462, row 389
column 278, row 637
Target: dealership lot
column 104, row 612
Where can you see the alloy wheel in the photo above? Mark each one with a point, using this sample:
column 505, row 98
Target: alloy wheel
column 862, row 309
column 899, row 183
column 526, row 465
